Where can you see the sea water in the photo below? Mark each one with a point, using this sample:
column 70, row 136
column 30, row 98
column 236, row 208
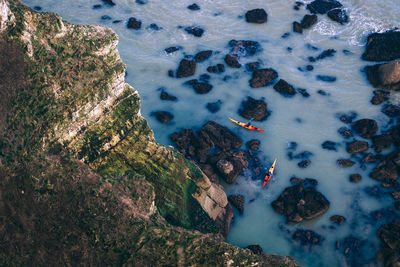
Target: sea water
column 307, row 121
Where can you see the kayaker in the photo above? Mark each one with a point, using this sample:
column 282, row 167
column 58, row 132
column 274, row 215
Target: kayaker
column 248, row 124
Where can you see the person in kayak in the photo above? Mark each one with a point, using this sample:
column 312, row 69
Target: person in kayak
column 248, row 124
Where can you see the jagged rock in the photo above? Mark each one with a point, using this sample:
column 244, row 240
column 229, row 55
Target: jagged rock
column 186, row 68
column 253, row 108
column 297, row 27
column 263, row 77
column 284, row 88
column 163, row 116
column 307, row 238
column 203, row 55
column 338, row 219
column 381, row 142
column 338, row 15
column 165, row 96
column 193, row 7
column 355, row 177
column 133, row 23
column 232, row 61
column 390, row 234
column 194, row 30
column 382, row 46
column 357, row 147
column 366, row 128
column 237, row 201
column 323, row 6
column 345, row 162
column 308, row 21
column 379, row 97
column 385, row 75
column 258, row 16
column 298, row 203
column 256, row 249
column 253, row 144
column 391, row 110
column 388, row 168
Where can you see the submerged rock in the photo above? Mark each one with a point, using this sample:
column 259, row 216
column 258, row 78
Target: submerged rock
column 366, row 128
column 203, row 55
column 238, row 202
column 379, row 97
column 338, row 219
column 214, row 107
column 391, row 110
column 253, row 144
column 284, row 88
column 253, row 108
column 258, row 16
column 186, row 68
column 298, row 203
column 307, row 238
column 345, row 132
column 133, row 23
column 165, row 96
column 382, row 46
column 355, row 177
column 388, row 168
column 108, row 2
column 197, row 31
column 263, row 77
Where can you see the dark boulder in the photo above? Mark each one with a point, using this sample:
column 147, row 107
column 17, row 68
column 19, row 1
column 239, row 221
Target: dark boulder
column 256, row 16
column 244, row 48
column 366, row 128
column 232, row 61
column 194, row 30
column 338, row 219
column 284, row 88
column 357, row 147
column 215, row 135
column 391, row 110
column 200, row 87
column 390, row 234
column 307, row 238
column 256, row 249
column 253, row 144
column 263, row 77
column 355, row 177
column 338, row 15
column 298, row 203
column 297, row 27
column 381, row 142
column 186, row 68
column 163, row 116
column 345, row 162
column 308, row 21
column 388, row 169
column 382, row 46
column 203, row 55
column 238, row 202
column 384, row 75
column 379, row 97
column 323, row 6
column 253, row 108
column 133, row 23
column 193, row 7
column 108, row 2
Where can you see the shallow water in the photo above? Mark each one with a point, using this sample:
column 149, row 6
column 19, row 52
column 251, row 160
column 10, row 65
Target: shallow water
column 307, row 121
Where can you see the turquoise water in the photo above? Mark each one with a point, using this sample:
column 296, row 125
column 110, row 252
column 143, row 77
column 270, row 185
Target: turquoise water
column 307, row 121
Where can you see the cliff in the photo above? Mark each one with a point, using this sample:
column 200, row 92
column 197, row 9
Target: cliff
column 83, row 179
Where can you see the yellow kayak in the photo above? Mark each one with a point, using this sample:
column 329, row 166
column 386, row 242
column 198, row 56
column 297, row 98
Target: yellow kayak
column 269, row 174
column 249, row 127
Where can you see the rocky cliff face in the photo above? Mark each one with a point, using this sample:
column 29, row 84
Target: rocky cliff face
column 83, row 179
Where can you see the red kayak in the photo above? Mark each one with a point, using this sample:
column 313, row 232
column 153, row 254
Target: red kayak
column 246, row 126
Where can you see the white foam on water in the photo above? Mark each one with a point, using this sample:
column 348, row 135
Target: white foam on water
column 222, row 20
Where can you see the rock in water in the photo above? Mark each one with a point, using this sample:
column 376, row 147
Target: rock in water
column 366, row 128
column 186, row 68
column 308, row 21
column 323, row 6
column 252, row 108
column 258, row 16
column 338, row 15
column 263, row 77
column 298, row 203
column 357, row 147
column 133, row 23
column 384, row 75
column 382, row 46
column 237, row 201
column 163, row 116
column 284, row 88
column 297, row 27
